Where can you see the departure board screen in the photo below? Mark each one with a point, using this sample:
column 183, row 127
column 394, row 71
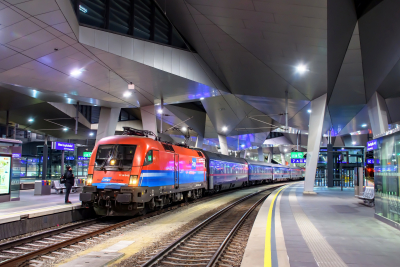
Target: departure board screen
column 5, row 174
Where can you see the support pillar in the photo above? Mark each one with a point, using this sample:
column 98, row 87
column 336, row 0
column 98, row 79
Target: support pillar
column 223, row 144
column 45, row 156
column 260, row 154
column 283, row 159
column 270, row 156
column 199, row 141
column 149, row 118
column 314, row 141
column 243, row 154
column 329, row 165
column 378, row 114
column 107, row 122
column 7, row 122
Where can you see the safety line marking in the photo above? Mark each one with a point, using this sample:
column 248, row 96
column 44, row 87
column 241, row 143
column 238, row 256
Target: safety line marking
column 267, row 251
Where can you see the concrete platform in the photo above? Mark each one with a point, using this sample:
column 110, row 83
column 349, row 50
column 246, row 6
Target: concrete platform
column 331, row 228
column 33, row 213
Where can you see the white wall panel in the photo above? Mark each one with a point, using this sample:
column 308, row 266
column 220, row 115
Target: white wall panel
column 149, row 49
column 127, row 47
column 175, row 61
column 138, row 50
column 101, row 40
column 115, row 44
column 167, row 62
column 158, row 57
column 183, row 64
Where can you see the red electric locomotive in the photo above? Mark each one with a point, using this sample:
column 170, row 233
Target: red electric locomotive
column 131, row 173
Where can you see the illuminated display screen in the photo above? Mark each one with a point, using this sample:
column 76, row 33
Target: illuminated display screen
column 301, row 160
column 5, row 169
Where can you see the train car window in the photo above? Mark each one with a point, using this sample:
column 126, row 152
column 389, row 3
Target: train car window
column 149, row 158
column 199, row 153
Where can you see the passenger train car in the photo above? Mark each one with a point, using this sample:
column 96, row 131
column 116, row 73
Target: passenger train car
column 132, row 173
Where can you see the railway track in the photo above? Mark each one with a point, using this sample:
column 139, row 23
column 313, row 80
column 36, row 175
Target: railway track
column 50, row 244
column 214, row 242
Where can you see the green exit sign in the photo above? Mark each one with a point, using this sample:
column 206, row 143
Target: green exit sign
column 297, row 155
column 87, row 154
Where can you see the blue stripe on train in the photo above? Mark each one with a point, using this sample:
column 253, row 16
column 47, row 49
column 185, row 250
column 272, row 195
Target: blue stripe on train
column 161, row 178
column 109, row 185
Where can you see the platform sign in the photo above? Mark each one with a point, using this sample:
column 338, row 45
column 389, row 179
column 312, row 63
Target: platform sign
column 370, row 161
column 87, row 154
column 63, row 146
column 5, row 175
column 297, row 155
column 372, row 145
column 298, row 160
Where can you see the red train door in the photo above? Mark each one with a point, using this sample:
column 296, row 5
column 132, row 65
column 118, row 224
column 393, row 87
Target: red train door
column 176, row 170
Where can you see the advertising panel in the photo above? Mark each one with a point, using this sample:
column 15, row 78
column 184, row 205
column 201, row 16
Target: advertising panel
column 5, row 174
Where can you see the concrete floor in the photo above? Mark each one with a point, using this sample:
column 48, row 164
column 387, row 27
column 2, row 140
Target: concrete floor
column 29, row 201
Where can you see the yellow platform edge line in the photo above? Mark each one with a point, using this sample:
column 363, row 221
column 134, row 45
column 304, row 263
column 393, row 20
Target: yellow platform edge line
column 267, row 251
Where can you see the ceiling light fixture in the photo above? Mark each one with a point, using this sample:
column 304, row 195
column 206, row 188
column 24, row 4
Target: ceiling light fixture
column 65, row 129
column 76, row 73
column 224, row 128
column 285, row 150
column 127, row 94
column 248, row 154
column 91, row 134
column 201, row 98
column 184, row 129
column 160, row 111
column 364, row 125
column 30, row 120
column 309, row 111
column 354, row 143
column 131, row 86
column 301, row 69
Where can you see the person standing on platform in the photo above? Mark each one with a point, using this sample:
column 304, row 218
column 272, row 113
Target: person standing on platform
column 69, row 183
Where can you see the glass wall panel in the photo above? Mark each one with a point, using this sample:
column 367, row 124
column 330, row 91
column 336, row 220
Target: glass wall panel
column 143, row 18
column 120, row 16
column 92, row 13
column 161, row 28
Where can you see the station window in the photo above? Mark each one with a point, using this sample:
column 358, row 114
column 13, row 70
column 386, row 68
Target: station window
column 149, row 158
column 141, row 19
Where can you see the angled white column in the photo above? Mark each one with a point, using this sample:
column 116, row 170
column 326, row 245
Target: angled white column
column 314, row 141
column 283, row 159
column 199, row 141
column 378, row 114
column 260, row 154
column 107, row 122
column 243, row 153
column 223, row 144
column 270, row 156
column 149, row 119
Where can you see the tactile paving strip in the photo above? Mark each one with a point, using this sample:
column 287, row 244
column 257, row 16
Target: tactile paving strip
column 324, row 254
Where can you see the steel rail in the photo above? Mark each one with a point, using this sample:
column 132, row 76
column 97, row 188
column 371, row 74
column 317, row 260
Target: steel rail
column 159, row 256
column 16, row 261
column 232, row 233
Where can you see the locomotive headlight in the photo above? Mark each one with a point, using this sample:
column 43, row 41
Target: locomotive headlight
column 133, row 180
column 89, row 179
column 112, row 162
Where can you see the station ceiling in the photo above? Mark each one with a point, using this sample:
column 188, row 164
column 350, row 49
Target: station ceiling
column 245, row 59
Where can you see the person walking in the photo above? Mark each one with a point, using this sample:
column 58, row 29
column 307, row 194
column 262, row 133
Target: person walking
column 69, row 183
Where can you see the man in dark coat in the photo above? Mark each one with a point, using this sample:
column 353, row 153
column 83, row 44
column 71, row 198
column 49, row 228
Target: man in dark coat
column 69, row 183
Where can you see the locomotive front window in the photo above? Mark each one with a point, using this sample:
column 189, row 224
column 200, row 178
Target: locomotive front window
column 149, row 158
column 118, row 156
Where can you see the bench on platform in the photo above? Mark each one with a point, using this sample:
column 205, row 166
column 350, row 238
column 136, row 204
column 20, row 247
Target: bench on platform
column 59, row 187
column 75, row 187
column 368, row 196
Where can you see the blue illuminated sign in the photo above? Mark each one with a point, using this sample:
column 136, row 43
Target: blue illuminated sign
column 372, row 145
column 298, row 160
column 370, row 161
column 16, row 155
column 82, row 9
column 63, row 146
column 70, row 158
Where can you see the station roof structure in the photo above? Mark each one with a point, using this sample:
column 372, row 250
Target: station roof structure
column 227, row 63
